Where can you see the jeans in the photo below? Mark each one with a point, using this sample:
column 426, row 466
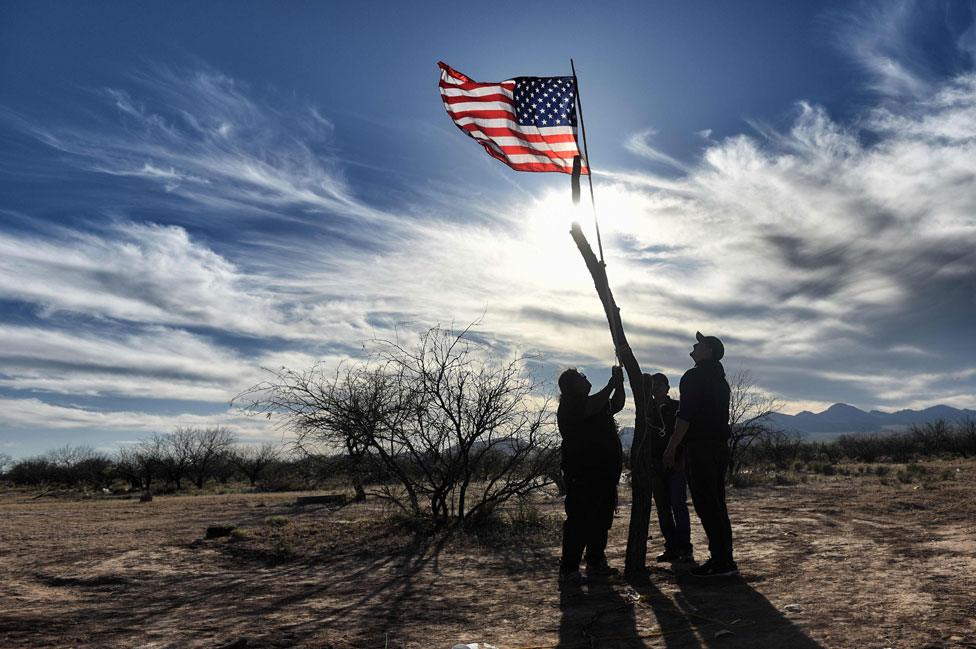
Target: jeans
column 589, row 515
column 670, row 497
column 707, row 462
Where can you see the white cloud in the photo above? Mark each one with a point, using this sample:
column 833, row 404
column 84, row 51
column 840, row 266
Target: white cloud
column 639, row 144
column 878, row 38
column 34, row 414
column 204, row 137
column 798, row 246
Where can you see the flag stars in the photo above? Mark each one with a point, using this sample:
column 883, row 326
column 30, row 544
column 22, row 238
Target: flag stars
column 545, row 102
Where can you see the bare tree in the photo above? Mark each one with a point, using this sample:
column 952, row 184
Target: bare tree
column 206, row 447
column 433, row 415
column 253, row 461
column 175, row 454
column 80, row 465
column 749, row 416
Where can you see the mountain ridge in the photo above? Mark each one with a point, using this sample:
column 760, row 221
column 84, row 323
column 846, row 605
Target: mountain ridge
column 845, row 419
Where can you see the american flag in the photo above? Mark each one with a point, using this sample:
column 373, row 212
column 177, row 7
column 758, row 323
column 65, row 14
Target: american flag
column 529, row 123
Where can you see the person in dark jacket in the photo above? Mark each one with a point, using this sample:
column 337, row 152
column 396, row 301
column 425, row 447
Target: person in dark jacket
column 702, row 423
column 592, row 460
column 669, row 486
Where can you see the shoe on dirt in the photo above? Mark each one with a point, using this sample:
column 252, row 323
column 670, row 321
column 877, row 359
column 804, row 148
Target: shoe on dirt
column 667, row 556
column 602, row 569
column 713, row 568
column 570, row 579
column 685, row 558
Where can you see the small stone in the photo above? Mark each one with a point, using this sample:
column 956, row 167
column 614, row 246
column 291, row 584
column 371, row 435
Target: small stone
column 217, row 531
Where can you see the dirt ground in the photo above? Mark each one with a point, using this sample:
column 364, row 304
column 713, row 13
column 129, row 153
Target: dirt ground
column 842, row 561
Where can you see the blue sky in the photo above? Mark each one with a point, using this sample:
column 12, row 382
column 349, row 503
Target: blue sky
column 191, row 192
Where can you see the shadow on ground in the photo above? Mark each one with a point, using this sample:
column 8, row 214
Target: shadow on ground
column 698, row 613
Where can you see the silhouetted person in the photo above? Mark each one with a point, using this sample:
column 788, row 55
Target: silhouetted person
column 592, row 460
column 702, row 423
column 669, row 485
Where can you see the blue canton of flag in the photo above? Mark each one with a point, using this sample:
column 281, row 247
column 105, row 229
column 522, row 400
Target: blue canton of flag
column 545, row 101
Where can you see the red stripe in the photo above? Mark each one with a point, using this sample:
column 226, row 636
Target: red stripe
column 515, row 150
column 535, row 166
column 475, row 86
column 501, row 131
column 483, row 114
column 467, row 100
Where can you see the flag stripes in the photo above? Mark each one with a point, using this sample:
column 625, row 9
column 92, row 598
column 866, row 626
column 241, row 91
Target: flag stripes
column 489, row 113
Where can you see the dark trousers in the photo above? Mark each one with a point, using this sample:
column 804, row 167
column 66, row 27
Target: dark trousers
column 589, row 515
column 707, row 462
column 670, row 497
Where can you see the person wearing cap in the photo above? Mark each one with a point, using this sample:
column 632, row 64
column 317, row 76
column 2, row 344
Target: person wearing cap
column 702, row 424
column 592, row 460
column 669, row 486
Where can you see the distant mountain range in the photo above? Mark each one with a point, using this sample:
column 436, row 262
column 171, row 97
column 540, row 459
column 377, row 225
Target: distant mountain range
column 841, row 418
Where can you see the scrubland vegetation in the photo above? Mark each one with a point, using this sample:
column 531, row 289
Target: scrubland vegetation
column 207, row 460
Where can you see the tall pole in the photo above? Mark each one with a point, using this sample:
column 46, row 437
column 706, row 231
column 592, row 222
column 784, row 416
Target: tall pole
column 586, row 155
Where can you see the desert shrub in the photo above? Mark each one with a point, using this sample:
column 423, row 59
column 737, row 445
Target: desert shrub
column 33, row 472
column 459, row 433
column 914, row 468
column 745, row 478
column 881, row 470
column 784, row 479
column 278, row 521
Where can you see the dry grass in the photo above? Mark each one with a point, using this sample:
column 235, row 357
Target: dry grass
column 855, row 560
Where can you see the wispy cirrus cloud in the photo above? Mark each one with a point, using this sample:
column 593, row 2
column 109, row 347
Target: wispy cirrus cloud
column 212, row 140
column 34, row 414
column 907, row 47
column 833, row 257
column 825, row 245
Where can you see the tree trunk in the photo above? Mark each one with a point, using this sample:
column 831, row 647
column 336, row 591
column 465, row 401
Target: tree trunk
column 640, row 460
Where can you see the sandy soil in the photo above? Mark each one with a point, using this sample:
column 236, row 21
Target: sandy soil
column 845, row 562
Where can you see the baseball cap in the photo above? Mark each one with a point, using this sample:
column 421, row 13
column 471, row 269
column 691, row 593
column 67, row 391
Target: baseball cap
column 718, row 349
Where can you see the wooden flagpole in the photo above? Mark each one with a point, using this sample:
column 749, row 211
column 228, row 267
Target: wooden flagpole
column 640, row 457
column 586, row 156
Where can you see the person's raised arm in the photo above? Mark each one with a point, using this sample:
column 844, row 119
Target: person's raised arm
column 600, row 400
column 619, row 396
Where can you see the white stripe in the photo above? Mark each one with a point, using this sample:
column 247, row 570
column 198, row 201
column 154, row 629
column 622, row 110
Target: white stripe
column 477, row 92
column 525, row 157
column 515, row 126
column 551, row 146
column 480, row 105
column 541, row 147
column 446, row 76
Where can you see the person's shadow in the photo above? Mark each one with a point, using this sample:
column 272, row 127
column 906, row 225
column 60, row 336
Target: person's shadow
column 618, row 613
column 699, row 613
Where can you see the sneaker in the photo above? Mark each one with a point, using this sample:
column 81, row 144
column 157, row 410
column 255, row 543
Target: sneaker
column 667, row 556
column 601, row 569
column 685, row 557
column 712, row 568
